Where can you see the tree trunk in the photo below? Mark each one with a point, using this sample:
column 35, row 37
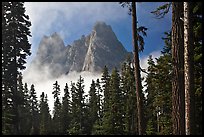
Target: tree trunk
column 188, row 68
column 177, row 74
column 137, row 72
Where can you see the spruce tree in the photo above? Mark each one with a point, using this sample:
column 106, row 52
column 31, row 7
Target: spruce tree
column 129, row 98
column 45, row 117
column 15, row 48
column 66, row 110
column 34, row 111
column 57, row 125
column 112, row 120
column 158, row 102
column 80, row 103
column 74, row 126
column 97, row 127
column 197, row 36
column 78, row 108
column 93, row 106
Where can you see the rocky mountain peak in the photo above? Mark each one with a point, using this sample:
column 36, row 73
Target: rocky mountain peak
column 89, row 53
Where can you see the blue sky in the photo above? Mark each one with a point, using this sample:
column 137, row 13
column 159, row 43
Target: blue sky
column 73, row 19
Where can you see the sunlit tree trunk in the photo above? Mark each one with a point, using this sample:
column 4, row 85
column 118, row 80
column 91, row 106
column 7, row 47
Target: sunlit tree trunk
column 177, row 74
column 137, row 71
column 188, row 69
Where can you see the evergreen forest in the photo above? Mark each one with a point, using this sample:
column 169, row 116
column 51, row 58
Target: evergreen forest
column 170, row 102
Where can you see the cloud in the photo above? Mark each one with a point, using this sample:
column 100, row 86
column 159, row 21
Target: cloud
column 43, row 82
column 43, row 79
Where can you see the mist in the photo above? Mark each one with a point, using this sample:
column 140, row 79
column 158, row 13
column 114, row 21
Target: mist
column 43, row 81
column 43, row 78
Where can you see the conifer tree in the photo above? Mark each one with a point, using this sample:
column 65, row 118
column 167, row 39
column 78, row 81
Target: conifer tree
column 45, row 117
column 34, row 111
column 97, row 127
column 81, row 104
column 66, row 110
column 197, row 36
column 158, row 102
column 57, row 125
column 93, row 106
column 129, row 98
column 74, row 126
column 24, row 108
column 105, row 87
column 15, row 48
column 78, row 108
column 112, row 120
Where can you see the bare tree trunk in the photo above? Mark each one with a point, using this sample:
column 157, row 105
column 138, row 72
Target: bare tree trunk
column 137, row 71
column 177, row 74
column 188, row 68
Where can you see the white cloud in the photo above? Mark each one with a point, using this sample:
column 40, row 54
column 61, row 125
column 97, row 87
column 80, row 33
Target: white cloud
column 43, row 82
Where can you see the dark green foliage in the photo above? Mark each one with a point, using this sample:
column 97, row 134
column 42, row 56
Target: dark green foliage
column 78, row 110
column 57, row 123
column 111, row 106
column 161, row 11
column 34, row 111
column 197, row 30
column 140, row 39
column 129, row 98
column 97, row 125
column 15, row 48
column 45, row 117
column 112, row 120
column 93, row 105
column 66, row 110
column 158, row 102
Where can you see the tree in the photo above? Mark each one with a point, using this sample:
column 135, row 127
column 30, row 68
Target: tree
column 78, row 108
column 150, row 116
column 129, row 95
column 178, row 74
column 24, row 108
column 57, row 125
column 73, row 130
column 188, row 68
column 112, row 119
column 81, row 104
column 137, row 71
column 15, row 48
column 45, row 117
column 158, row 102
column 97, row 126
column 93, row 106
column 105, row 87
column 197, row 36
column 66, row 110
column 34, row 111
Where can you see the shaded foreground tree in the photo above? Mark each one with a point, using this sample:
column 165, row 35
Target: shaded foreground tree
column 188, row 69
column 137, row 71
column 15, row 48
column 135, row 39
column 178, row 116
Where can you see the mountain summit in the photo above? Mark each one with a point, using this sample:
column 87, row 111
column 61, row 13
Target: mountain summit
column 89, row 53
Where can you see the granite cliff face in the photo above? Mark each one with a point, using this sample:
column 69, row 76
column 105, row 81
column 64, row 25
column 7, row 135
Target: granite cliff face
column 89, row 53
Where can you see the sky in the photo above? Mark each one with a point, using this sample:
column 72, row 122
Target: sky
column 73, row 19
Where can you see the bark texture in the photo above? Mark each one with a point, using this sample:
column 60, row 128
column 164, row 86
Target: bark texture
column 177, row 74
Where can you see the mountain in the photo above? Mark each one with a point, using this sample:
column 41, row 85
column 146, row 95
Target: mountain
column 89, row 53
